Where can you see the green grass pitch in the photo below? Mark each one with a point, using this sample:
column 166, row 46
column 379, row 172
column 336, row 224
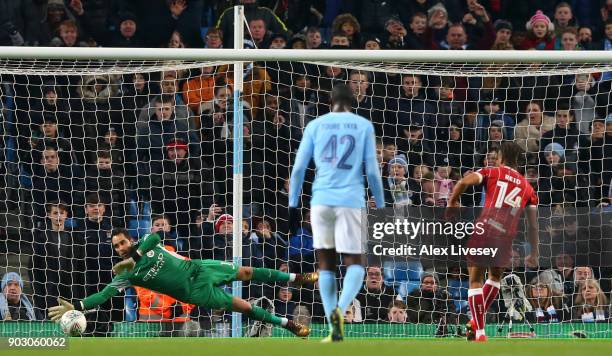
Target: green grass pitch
column 312, row 347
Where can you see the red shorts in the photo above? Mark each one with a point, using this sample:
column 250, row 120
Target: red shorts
column 491, row 240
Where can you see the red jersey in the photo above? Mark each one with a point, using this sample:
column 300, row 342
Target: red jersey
column 507, row 192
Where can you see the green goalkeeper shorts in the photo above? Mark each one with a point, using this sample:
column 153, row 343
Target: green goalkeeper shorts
column 212, row 275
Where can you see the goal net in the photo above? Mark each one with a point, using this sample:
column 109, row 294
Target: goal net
column 147, row 145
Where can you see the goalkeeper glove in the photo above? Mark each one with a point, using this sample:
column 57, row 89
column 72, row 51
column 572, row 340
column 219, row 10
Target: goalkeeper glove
column 55, row 313
column 124, row 266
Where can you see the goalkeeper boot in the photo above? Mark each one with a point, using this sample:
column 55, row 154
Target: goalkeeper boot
column 336, row 333
column 470, row 330
column 297, row 329
column 306, row 278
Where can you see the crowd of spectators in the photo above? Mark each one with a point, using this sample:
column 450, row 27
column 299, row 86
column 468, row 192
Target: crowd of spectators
column 83, row 154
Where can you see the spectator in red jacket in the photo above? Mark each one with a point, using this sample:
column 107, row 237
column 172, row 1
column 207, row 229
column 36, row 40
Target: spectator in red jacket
column 541, row 33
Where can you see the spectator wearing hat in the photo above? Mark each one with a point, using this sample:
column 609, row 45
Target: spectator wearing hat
column 503, row 35
column 371, row 43
column 540, row 33
column 278, row 41
column 14, row 304
column 555, row 153
column 398, row 181
column 53, row 15
column 126, row 34
column 429, row 303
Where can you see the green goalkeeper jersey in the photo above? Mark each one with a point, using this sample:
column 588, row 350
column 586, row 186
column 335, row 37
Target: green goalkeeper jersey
column 158, row 269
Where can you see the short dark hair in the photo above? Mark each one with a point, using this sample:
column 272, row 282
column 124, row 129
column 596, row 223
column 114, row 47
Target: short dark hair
column 104, row 154
column 313, row 29
column 417, row 14
column 164, row 99
column 341, row 95
column 121, row 231
column 564, row 106
column 511, row 153
column 56, row 204
column 338, row 34
column 93, row 199
column 159, row 216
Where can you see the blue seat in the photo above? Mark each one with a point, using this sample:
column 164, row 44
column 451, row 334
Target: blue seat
column 140, row 222
column 396, row 272
column 458, row 288
column 461, row 306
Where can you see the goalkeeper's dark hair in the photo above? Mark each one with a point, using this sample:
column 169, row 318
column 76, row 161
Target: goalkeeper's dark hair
column 511, row 154
column 341, row 96
column 121, row 231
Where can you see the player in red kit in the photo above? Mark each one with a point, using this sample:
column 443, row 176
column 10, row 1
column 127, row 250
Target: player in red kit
column 507, row 194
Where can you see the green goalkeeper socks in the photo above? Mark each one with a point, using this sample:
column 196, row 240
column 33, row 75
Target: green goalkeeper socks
column 260, row 314
column 270, row 275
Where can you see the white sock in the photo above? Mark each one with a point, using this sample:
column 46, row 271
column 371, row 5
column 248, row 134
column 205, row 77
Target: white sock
column 493, row 283
column 291, row 277
column 480, row 333
column 284, row 321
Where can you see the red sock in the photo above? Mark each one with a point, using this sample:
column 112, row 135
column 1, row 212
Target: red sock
column 490, row 291
column 477, row 306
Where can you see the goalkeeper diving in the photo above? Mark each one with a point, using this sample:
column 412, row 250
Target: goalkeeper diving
column 147, row 264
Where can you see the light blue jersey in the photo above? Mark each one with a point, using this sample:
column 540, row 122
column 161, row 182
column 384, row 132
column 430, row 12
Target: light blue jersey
column 340, row 142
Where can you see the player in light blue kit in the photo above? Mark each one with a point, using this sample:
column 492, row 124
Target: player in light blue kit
column 340, row 143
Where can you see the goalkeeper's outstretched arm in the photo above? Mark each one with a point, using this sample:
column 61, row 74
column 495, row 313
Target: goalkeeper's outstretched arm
column 90, row 302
